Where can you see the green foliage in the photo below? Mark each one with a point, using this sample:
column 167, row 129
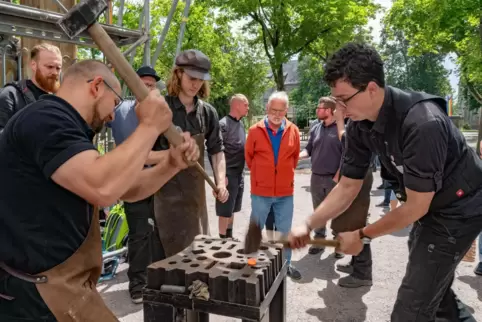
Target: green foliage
column 237, row 66
column 289, row 27
column 443, row 26
column 305, row 97
column 425, row 72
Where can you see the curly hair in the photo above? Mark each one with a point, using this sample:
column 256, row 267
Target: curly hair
column 174, row 84
column 356, row 63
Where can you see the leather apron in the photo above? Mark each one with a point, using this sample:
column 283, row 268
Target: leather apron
column 355, row 217
column 180, row 207
column 70, row 291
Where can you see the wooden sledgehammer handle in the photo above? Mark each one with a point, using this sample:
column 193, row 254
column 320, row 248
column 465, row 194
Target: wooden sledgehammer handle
column 140, row 91
column 316, row 242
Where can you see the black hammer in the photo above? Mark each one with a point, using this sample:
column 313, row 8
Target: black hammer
column 83, row 16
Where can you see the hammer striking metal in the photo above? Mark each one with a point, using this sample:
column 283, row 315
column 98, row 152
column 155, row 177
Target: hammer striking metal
column 83, row 16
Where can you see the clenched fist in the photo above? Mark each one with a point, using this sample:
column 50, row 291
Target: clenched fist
column 154, row 112
column 185, row 154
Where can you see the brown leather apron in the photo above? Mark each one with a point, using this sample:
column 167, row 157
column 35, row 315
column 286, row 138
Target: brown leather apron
column 180, row 207
column 355, row 217
column 70, row 292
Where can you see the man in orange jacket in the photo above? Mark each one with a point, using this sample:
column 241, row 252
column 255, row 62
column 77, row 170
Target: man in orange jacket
column 272, row 151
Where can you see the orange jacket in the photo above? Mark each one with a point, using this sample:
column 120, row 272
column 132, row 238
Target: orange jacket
column 268, row 180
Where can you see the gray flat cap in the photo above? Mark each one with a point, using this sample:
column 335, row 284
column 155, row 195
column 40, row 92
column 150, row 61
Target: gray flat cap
column 194, row 63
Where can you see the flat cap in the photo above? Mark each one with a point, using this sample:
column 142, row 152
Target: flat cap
column 194, row 63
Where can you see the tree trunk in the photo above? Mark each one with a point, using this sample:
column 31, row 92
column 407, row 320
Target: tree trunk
column 279, row 78
column 69, row 51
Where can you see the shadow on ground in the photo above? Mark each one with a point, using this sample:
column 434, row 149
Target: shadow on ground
column 474, row 282
column 341, row 304
column 325, row 267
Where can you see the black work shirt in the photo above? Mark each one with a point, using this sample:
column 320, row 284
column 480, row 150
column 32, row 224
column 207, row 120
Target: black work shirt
column 325, row 149
column 12, row 101
column 420, row 152
column 43, row 224
column 234, row 139
column 203, row 119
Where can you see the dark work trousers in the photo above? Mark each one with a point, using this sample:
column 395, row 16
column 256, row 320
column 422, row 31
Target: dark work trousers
column 320, row 188
column 144, row 245
column 270, row 220
column 354, row 218
column 436, row 246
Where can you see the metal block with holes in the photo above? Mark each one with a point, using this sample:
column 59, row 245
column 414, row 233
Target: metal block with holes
column 235, row 289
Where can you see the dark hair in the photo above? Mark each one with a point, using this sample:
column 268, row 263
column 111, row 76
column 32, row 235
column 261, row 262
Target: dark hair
column 356, row 63
column 328, row 102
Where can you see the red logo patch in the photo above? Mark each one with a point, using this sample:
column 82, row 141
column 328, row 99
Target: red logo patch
column 459, row 193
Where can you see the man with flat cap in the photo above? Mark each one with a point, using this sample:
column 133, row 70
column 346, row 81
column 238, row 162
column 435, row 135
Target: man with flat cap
column 180, row 206
column 144, row 246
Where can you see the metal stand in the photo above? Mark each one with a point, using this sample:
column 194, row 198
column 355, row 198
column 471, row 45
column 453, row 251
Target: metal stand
column 161, row 307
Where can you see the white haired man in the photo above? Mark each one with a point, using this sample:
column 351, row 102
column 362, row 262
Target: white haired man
column 272, row 183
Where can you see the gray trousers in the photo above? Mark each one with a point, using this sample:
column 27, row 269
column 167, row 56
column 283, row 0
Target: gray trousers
column 320, row 188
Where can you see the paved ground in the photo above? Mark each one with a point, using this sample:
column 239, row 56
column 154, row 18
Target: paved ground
column 317, row 297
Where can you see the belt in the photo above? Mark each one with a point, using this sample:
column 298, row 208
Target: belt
column 40, row 279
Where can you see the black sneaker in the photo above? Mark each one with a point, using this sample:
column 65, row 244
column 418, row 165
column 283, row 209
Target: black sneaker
column 339, row 255
column 382, row 204
column 316, row 250
column 353, row 282
column 136, row 297
column 478, row 269
column 294, row 273
column 345, row 268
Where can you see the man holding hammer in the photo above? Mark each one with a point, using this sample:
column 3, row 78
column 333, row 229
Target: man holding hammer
column 432, row 169
column 50, row 243
column 180, row 205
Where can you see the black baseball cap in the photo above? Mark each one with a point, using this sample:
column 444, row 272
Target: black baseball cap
column 194, row 63
column 148, row 71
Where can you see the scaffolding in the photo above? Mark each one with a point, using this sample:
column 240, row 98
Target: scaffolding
column 24, row 21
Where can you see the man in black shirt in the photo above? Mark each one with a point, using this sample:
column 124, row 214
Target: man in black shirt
column 234, row 139
column 432, row 169
column 45, row 65
column 180, row 205
column 53, row 176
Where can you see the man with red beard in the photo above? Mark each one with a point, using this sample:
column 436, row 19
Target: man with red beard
column 45, row 66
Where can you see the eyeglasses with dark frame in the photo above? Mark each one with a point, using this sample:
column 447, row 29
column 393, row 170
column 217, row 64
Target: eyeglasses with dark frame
column 121, row 99
column 346, row 100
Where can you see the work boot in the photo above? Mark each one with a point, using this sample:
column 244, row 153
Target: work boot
column 383, row 205
column 345, row 268
column 294, row 273
column 136, row 297
column 353, row 282
column 316, row 250
column 478, row 269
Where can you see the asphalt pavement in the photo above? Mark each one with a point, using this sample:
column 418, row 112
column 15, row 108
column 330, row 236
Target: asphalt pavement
column 316, row 297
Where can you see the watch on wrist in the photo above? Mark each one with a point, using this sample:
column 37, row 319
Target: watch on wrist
column 364, row 238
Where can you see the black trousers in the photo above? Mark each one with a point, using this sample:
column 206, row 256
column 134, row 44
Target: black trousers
column 144, row 245
column 436, row 246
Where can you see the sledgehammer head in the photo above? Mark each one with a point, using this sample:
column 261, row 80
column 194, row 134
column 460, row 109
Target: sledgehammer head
column 81, row 16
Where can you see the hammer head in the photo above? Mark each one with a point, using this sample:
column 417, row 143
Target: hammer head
column 253, row 238
column 81, row 16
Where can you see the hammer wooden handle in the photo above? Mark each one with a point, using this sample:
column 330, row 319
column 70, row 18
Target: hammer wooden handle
column 140, row 91
column 315, row 242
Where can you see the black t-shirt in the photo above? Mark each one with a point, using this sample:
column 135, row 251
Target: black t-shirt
column 198, row 121
column 430, row 144
column 42, row 224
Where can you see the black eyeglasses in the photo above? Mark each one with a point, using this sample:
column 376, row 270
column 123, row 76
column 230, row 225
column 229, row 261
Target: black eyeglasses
column 121, row 100
column 346, row 100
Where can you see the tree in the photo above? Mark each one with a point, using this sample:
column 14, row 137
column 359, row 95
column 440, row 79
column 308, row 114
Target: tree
column 442, row 27
column 311, row 87
column 289, row 27
column 420, row 73
column 237, row 67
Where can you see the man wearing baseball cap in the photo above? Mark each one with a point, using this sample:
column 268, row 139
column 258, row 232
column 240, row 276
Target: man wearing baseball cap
column 140, row 214
column 180, row 206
